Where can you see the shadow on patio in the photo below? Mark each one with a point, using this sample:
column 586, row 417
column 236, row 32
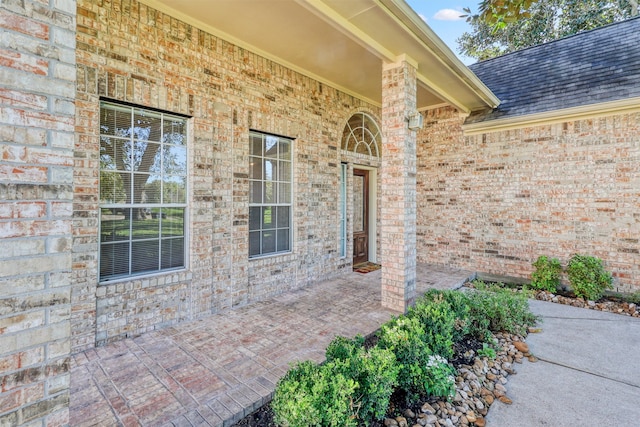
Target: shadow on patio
column 215, row 370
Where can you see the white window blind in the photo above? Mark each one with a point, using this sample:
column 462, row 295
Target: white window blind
column 143, row 191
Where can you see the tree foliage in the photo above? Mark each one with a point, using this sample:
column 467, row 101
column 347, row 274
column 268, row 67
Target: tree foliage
column 503, row 26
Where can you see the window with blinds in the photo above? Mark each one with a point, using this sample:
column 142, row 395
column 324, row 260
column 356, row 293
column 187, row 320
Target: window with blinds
column 143, row 191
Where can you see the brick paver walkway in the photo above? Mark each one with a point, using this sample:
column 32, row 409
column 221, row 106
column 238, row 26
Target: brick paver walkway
column 214, row 371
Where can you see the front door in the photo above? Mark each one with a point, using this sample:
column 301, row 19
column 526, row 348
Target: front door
column 360, row 216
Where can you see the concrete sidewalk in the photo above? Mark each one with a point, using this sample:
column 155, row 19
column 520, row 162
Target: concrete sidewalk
column 588, row 373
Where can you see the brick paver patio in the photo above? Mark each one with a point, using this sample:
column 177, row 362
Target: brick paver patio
column 214, row 371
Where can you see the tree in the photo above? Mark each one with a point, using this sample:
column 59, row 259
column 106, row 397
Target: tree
column 503, row 11
column 503, row 26
column 499, row 11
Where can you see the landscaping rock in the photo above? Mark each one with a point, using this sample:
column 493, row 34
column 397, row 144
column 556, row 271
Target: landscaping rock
column 521, row 346
column 471, row 417
column 619, row 307
column 505, row 400
column 428, row 409
column 477, row 387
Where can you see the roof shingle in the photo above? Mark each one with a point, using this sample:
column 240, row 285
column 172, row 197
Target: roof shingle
column 592, row 67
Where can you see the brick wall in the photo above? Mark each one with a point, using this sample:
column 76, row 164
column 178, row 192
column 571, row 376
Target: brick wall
column 37, row 91
column 494, row 202
column 130, row 52
column 398, row 213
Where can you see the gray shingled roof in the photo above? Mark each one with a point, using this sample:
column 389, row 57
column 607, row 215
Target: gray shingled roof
column 588, row 68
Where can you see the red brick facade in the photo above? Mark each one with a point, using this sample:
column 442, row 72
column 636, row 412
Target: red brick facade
column 147, row 58
column 490, row 203
column 398, row 187
column 494, row 202
column 37, row 114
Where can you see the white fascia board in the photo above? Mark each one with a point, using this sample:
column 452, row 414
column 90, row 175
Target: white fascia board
column 435, row 45
column 625, row 106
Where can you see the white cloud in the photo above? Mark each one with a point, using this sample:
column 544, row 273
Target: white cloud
column 424, row 18
column 448, row 15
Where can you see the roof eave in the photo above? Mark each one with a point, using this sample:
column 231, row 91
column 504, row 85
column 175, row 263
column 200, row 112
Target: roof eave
column 446, row 57
column 621, row 106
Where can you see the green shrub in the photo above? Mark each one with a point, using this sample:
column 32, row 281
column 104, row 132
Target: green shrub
column 377, row 382
column 439, row 378
column 293, row 402
column 633, row 298
column 546, row 276
column 375, row 373
column 459, row 303
column 314, row 395
column 438, row 321
column 487, row 351
column 406, row 338
column 588, row 277
column 354, row 386
column 499, row 310
column 343, row 348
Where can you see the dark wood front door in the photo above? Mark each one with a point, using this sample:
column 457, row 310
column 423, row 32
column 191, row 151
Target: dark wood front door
column 360, row 216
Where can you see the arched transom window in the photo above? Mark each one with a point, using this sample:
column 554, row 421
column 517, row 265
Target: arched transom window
column 361, row 135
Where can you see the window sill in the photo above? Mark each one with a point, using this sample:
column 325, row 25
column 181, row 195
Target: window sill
column 147, row 276
column 270, row 256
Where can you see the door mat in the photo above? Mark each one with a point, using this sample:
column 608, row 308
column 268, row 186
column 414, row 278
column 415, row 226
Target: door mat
column 366, row 267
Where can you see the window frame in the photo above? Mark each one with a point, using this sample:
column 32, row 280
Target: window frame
column 343, row 210
column 362, row 135
column 157, row 211
column 264, row 205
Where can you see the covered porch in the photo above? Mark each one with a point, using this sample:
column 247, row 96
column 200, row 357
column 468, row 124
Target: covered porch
column 215, row 370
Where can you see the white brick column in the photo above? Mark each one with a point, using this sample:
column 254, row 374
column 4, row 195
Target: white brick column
column 398, row 186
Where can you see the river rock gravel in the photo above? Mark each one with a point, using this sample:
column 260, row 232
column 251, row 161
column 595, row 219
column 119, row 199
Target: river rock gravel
column 477, row 387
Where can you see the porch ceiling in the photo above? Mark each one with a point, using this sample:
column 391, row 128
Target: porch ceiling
column 342, row 43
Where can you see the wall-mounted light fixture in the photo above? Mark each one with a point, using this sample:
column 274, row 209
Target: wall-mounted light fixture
column 416, row 121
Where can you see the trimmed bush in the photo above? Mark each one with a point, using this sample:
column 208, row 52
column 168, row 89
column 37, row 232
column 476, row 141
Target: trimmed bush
column 343, row 348
column 440, row 380
column 314, row 395
column 546, row 276
column 406, row 338
column 459, row 303
column 354, row 386
column 375, row 373
column 498, row 309
column 438, row 321
column 588, row 277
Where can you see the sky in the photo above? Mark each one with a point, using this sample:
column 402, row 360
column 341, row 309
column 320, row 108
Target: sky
column 443, row 18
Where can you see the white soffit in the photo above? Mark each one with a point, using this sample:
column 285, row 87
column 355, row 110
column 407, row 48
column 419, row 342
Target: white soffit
column 339, row 42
